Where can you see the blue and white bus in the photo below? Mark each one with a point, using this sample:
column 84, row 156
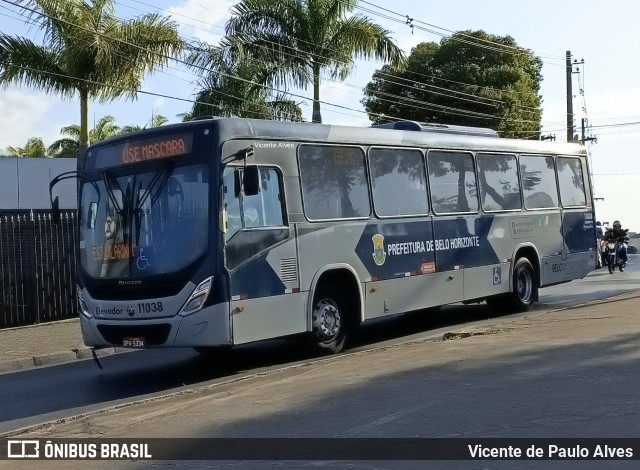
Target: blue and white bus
column 221, row 232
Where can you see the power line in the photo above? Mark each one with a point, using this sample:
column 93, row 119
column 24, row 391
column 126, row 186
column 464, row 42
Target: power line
column 441, row 107
column 228, row 75
column 459, row 36
column 415, row 83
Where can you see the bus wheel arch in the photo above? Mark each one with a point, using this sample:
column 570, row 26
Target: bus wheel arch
column 525, row 283
column 531, row 255
column 335, row 310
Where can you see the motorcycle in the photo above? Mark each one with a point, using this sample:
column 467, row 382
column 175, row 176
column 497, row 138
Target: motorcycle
column 611, row 258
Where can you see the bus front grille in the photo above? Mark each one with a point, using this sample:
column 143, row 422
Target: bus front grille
column 153, row 335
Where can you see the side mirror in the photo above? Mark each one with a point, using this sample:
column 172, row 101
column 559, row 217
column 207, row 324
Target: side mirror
column 55, row 210
column 55, row 203
column 251, row 180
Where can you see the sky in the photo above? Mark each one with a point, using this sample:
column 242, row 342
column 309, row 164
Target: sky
column 602, row 35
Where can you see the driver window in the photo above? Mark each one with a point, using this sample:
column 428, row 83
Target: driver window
column 231, row 202
column 264, row 209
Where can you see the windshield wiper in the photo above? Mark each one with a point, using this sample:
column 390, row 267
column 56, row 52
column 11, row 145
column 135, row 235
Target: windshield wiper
column 111, row 184
column 109, row 180
column 160, row 179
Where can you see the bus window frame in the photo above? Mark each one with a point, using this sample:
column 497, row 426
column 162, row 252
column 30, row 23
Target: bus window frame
column 475, row 174
column 370, row 182
column 283, row 199
column 576, row 206
column 366, row 175
column 499, row 211
column 555, row 172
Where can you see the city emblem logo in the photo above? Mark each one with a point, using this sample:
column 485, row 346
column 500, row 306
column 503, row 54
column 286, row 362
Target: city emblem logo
column 378, row 249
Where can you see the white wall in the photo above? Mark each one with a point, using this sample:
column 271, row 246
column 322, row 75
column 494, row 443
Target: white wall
column 24, row 183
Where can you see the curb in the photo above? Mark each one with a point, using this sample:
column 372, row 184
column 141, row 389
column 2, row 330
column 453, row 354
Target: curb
column 13, row 365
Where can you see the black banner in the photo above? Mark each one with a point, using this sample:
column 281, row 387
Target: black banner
column 311, row 449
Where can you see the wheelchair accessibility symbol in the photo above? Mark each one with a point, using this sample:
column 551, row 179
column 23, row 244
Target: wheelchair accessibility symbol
column 142, row 262
column 497, row 276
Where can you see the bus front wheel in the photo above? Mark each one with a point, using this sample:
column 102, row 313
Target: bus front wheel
column 329, row 320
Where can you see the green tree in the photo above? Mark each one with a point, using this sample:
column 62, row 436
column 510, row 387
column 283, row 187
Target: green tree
column 235, row 85
column 33, row 149
column 306, row 37
column 156, row 121
column 68, row 146
column 89, row 52
column 464, row 80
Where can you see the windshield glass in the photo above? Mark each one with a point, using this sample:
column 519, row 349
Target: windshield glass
column 143, row 224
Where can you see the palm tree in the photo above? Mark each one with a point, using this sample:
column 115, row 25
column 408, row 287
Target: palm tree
column 308, row 36
column 68, row 146
column 156, row 121
column 33, row 149
column 89, row 52
column 233, row 84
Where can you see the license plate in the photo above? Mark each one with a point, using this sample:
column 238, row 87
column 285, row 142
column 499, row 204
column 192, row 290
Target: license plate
column 133, row 342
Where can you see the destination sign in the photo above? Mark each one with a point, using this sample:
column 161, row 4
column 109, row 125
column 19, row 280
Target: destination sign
column 144, row 150
column 347, row 157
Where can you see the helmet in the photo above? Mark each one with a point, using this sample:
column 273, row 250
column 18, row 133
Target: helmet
column 617, row 224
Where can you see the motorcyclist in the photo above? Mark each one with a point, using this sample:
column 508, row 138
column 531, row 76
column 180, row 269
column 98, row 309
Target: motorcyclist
column 618, row 233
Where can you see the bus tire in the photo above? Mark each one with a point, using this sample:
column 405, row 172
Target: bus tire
column 524, row 291
column 330, row 319
column 525, row 287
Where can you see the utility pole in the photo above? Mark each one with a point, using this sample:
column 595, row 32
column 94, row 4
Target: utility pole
column 569, row 99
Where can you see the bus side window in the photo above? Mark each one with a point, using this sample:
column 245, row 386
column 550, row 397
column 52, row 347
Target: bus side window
column 265, row 208
column 453, row 182
column 571, row 182
column 334, row 182
column 399, row 184
column 499, row 184
column 539, row 184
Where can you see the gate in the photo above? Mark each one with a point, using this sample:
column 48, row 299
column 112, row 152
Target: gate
column 37, row 267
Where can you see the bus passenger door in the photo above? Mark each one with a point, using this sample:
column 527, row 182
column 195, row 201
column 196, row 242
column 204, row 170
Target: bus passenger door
column 563, row 233
column 261, row 258
column 579, row 245
column 577, row 222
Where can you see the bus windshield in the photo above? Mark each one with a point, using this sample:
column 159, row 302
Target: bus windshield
column 143, row 223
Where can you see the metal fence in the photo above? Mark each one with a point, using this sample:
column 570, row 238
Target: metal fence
column 38, row 267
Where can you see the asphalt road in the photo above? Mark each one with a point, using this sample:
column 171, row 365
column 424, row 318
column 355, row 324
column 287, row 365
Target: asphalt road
column 48, row 393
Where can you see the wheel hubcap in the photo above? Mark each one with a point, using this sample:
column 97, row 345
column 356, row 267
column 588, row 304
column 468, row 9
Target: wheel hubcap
column 525, row 286
column 326, row 320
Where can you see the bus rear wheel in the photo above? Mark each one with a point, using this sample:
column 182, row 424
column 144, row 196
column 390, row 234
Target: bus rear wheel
column 330, row 320
column 525, row 287
column 524, row 290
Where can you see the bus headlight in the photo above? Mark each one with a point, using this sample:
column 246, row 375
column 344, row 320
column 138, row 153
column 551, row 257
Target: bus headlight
column 197, row 298
column 82, row 305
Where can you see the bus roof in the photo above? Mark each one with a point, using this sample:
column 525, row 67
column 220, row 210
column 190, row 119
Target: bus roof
column 431, row 127
column 430, row 136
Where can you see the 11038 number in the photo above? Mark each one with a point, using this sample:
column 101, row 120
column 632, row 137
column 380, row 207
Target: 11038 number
column 150, row 307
